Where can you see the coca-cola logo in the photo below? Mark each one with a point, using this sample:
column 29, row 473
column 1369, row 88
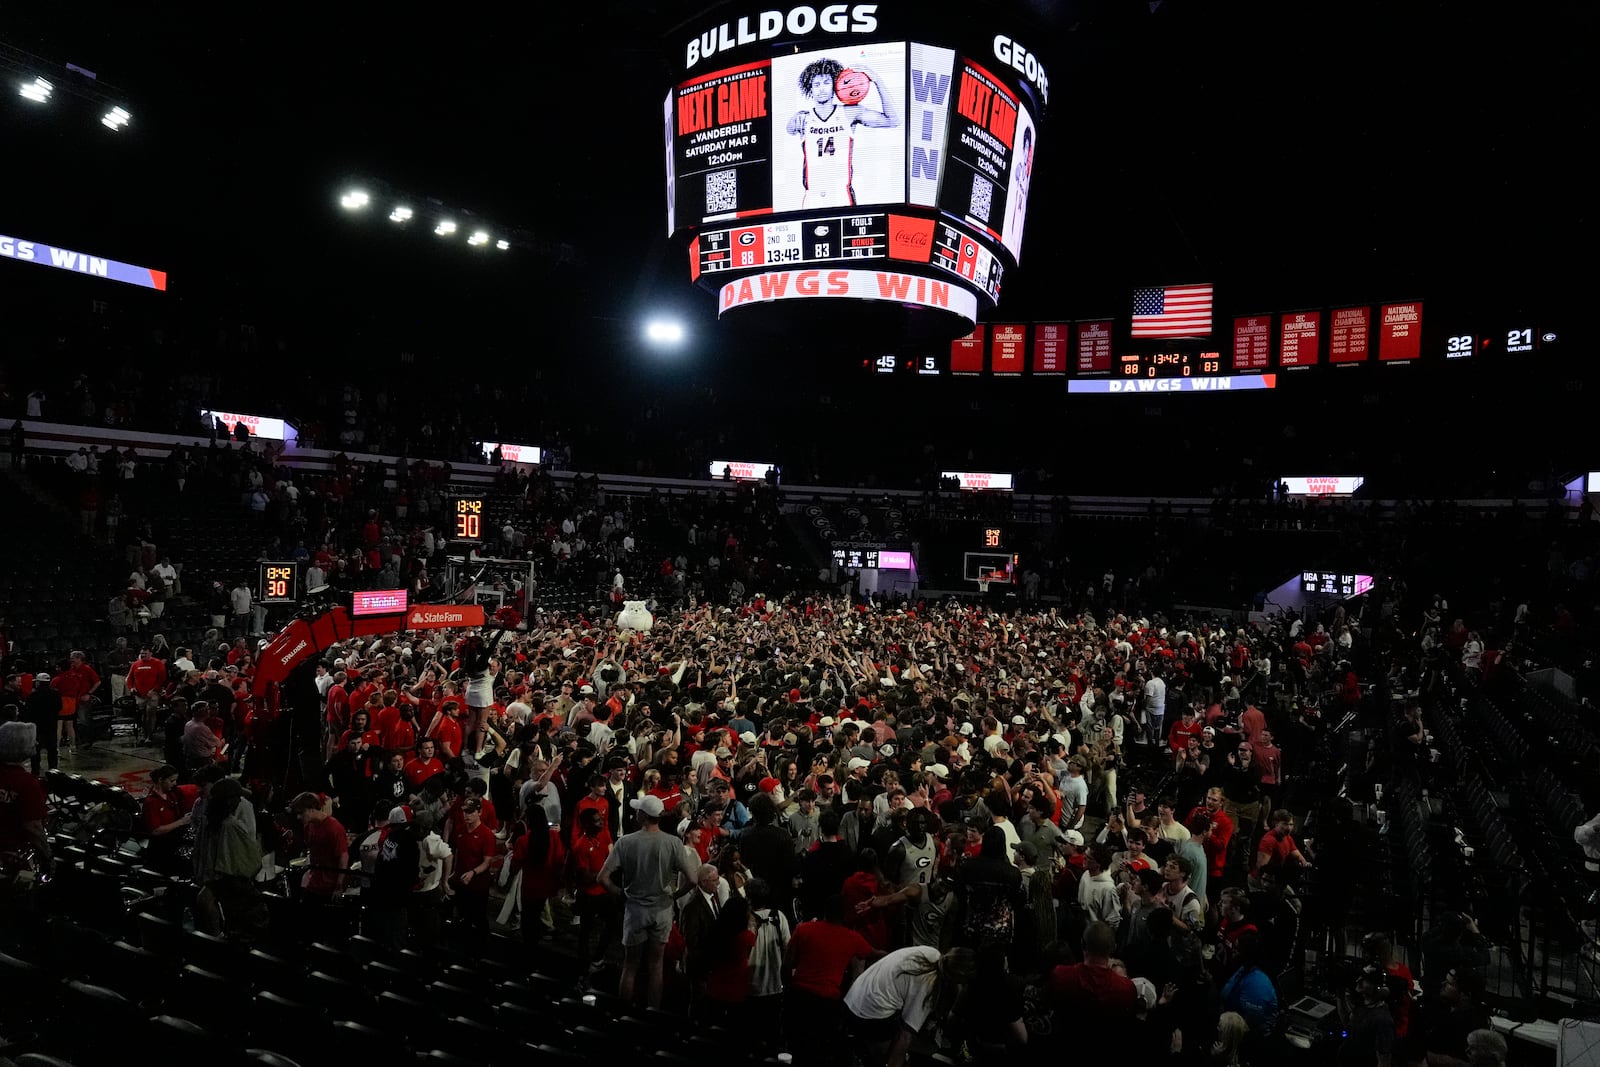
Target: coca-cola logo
column 913, row 238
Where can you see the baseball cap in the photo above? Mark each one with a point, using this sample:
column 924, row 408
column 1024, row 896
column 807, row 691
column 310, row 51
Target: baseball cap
column 768, row 784
column 940, row 770
column 856, row 763
column 400, row 813
column 1019, row 720
column 41, row 677
column 724, row 753
column 748, row 737
column 648, row 806
column 586, row 689
column 794, row 696
column 827, row 720
column 1146, row 992
column 1209, row 731
column 966, row 729
column 1072, row 837
column 886, row 749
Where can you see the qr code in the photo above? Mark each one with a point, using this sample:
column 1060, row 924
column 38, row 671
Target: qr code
column 722, row 191
column 982, row 198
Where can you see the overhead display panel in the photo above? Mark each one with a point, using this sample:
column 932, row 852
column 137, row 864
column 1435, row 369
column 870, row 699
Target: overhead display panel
column 907, row 136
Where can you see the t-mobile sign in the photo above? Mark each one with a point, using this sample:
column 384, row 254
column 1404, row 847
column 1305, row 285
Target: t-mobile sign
column 379, row 602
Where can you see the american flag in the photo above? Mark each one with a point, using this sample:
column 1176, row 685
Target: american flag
column 1172, row 311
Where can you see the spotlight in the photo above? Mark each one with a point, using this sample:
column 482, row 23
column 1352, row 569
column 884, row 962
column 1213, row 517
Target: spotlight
column 445, row 229
column 400, row 214
column 37, row 90
column 663, row 332
column 502, row 244
column 478, row 238
column 354, row 200
column 115, row 119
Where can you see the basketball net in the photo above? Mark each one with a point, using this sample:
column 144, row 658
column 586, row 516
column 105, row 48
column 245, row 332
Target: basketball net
column 983, row 584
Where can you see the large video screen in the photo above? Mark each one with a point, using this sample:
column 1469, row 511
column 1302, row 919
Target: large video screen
column 840, row 143
column 824, row 137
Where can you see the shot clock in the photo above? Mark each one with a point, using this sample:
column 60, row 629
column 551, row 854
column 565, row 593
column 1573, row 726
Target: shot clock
column 469, row 519
column 279, row 583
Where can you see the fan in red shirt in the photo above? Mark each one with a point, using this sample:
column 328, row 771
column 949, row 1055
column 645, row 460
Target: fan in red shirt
column 1091, row 989
column 446, row 728
column 1222, row 828
column 475, row 849
column 591, row 844
column 327, row 844
column 1188, row 725
column 540, row 857
column 423, row 765
column 163, row 813
column 22, row 800
column 1277, row 851
column 147, row 677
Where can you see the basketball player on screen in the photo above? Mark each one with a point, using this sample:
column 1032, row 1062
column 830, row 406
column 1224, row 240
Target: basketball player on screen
column 827, row 132
column 1021, row 174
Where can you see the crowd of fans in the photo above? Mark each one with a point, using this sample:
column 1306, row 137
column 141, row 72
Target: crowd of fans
column 937, row 826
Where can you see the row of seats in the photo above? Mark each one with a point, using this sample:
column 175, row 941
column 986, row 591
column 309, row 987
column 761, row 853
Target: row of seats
column 190, row 992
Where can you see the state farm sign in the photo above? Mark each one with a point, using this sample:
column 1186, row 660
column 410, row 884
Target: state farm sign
column 442, row 616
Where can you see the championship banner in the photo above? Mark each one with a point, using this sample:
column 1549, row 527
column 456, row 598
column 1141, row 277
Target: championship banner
column 859, row 284
column 444, row 616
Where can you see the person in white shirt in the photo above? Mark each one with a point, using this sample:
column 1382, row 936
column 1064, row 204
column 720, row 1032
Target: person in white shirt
column 1074, row 795
column 1097, row 892
column 1155, row 708
column 897, row 997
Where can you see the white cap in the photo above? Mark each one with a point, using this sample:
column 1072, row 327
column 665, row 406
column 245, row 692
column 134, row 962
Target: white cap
column 940, row 770
column 1072, row 837
column 826, row 720
column 1019, row 720
column 748, row 737
column 966, row 729
column 856, row 763
column 648, row 806
column 586, row 690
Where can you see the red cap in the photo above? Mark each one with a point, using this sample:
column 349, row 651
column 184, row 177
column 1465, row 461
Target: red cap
column 768, row 784
column 794, row 696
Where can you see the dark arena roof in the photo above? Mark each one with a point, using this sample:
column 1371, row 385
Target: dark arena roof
column 397, row 537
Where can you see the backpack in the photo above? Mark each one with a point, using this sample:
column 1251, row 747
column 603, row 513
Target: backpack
column 766, row 956
column 988, row 919
column 398, row 870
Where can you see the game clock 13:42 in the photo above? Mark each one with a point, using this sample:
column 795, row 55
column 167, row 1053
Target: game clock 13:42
column 469, row 520
column 1169, row 364
column 279, row 583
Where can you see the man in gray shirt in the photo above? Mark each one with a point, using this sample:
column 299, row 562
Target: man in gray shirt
column 641, row 870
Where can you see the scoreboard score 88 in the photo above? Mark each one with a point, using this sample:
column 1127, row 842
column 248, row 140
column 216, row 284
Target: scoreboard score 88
column 469, row 519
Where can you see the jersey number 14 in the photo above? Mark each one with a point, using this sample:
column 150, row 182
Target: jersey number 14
column 824, row 146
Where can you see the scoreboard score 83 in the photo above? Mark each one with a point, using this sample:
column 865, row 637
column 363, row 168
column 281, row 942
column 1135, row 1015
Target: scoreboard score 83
column 469, row 519
column 279, row 582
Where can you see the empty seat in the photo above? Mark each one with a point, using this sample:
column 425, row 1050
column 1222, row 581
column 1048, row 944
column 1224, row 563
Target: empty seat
column 287, row 1026
column 452, row 1000
column 184, row 1041
column 161, row 936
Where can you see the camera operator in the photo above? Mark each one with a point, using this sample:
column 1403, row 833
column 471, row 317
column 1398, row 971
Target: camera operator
column 1367, row 1020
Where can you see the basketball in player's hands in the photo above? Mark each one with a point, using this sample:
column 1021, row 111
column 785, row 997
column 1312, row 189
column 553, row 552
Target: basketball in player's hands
column 851, row 86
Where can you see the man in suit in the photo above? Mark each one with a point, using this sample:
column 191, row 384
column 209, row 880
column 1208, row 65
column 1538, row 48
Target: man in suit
column 696, row 920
